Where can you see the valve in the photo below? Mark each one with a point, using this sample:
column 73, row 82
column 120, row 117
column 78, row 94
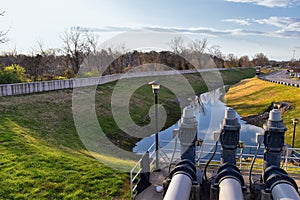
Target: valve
column 229, row 138
column 273, row 139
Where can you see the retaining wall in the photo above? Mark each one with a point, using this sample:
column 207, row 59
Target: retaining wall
column 43, row 86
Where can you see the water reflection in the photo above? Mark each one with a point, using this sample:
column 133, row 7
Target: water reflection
column 209, row 120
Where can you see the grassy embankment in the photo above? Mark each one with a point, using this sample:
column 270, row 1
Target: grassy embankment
column 254, row 96
column 42, row 157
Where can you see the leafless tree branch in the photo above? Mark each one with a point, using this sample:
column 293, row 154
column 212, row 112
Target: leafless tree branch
column 176, row 45
column 3, row 39
column 78, row 45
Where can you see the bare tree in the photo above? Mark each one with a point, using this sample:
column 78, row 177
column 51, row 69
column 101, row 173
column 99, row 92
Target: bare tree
column 260, row 59
column 78, row 44
column 46, row 61
column 215, row 51
column 92, row 41
column 41, row 50
column 231, row 60
column 244, row 61
column 176, row 45
column 197, row 49
column 199, row 46
column 217, row 55
column 3, row 39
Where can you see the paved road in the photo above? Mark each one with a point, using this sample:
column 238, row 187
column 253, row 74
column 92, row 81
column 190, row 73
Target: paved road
column 281, row 77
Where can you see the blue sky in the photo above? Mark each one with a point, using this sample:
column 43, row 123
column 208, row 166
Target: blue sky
column 241, row 27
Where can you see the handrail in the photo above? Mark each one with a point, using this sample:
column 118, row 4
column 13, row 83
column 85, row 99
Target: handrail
column 133, row 178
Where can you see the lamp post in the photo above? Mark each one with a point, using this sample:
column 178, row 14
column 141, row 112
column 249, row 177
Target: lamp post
column 155, row 88
column 295, row 121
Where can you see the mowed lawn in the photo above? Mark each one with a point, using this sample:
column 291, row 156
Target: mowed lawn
column 41, row 156
column 254, row 96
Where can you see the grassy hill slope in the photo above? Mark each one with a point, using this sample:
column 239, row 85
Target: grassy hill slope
column 254, row 96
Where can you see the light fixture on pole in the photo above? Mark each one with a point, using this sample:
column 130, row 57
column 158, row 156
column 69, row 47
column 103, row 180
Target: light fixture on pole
column 155, row 87
column 295, row 121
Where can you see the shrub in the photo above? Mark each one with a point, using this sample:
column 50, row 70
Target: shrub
column 47, row 77
column 12, row 74
column 69, row 73
column 60, row 78
column 92, row 73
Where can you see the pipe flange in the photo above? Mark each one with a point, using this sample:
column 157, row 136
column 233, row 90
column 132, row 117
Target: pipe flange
column 278, row 179
column 184, row 167
column 274, row 175
column 226, row 166
column 229, row 171
column 272, row 170
column 189, row 163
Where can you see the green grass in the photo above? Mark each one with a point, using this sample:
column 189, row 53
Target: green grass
column 42, row 157
column 33, row 169
column 254, row 96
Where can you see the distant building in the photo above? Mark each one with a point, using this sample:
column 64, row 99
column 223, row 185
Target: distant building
column 295, row 72
column 257, row 71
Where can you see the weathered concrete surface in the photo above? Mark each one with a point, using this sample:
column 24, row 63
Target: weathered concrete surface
column 156, row 178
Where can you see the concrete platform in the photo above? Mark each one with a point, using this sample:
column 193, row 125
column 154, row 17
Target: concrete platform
column 157, row 178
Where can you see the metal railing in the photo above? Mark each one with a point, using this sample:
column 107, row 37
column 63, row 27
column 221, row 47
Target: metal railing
column 290, row 159
column 137, row 169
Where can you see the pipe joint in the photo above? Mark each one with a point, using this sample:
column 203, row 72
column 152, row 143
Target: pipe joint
column 274, row 175
column 186, row 167
column 228, row 170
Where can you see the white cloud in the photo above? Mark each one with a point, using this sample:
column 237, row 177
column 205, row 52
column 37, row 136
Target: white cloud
column 193, row 30
column 287, row 28
column 244, row 22
column 286, row 23
column 270, row 3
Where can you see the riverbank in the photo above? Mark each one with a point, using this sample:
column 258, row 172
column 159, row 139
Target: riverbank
column 254, row 97
column 42, row 156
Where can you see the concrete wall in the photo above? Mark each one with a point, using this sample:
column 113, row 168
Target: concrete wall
column 43, row 86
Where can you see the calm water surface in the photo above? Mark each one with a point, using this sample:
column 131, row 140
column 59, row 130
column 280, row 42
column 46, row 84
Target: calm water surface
column 208, row 122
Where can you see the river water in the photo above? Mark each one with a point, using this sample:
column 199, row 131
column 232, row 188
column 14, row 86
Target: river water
column 209, row 120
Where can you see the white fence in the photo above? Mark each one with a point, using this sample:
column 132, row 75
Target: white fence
column 43, row 86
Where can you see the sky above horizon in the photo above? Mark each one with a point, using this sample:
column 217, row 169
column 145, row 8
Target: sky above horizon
column 241, row 27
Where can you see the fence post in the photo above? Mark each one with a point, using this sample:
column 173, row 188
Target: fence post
column 286, row 157
column 145, row 173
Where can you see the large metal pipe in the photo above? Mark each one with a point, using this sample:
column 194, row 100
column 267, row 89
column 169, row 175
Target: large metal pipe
column 230, row 188
column 182, row 176
column 279, row 184
column 229, row 182
column 284, row 191
column 179, row 188
column 181, row 181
